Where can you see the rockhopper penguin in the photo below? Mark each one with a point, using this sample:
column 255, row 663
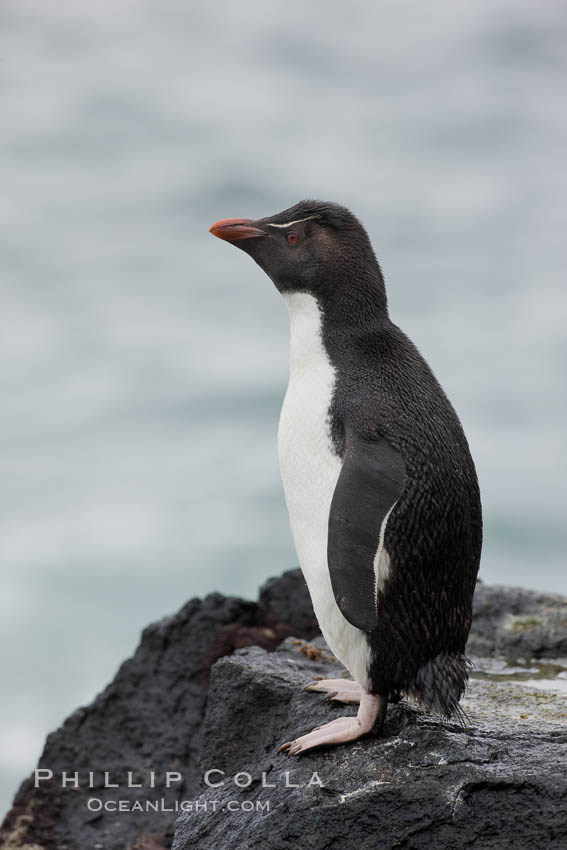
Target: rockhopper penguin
column 379, row 482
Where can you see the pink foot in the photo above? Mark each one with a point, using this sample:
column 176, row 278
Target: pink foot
column 339, row 690
column 342, row 729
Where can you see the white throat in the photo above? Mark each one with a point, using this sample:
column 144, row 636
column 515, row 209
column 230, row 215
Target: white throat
column 306, row 345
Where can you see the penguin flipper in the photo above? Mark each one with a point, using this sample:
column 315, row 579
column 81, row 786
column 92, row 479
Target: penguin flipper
column 371, row 481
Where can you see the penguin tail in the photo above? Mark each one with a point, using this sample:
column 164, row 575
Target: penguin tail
column 440, row 684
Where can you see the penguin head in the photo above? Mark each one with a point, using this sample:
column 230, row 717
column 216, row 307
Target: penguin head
column 315, row 246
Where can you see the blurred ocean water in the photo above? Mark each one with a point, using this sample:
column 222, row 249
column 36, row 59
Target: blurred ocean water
column 144, row 363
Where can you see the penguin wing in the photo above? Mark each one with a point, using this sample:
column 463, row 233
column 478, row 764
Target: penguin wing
column 371, row 481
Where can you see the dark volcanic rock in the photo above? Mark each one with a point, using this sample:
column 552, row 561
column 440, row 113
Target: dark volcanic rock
column 425, row 783
column 288, row 598
column 150, row 719
column 518, row 623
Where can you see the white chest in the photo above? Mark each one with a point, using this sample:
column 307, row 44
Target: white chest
column 309, row 466
column 310, row 469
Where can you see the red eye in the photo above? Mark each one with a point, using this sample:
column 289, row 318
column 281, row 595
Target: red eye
column 292, row 238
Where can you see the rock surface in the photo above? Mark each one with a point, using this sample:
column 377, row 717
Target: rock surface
column 498, row 783
column 150, row 718
column 518, row 623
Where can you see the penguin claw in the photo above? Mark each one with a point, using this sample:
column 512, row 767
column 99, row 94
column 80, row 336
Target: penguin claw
column 336, row 732
column 340, row 690
column 290, row 748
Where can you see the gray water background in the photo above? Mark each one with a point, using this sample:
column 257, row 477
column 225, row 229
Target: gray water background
column 143, row 362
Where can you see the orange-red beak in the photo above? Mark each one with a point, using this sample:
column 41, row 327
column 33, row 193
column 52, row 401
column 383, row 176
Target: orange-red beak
column 233, row 229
